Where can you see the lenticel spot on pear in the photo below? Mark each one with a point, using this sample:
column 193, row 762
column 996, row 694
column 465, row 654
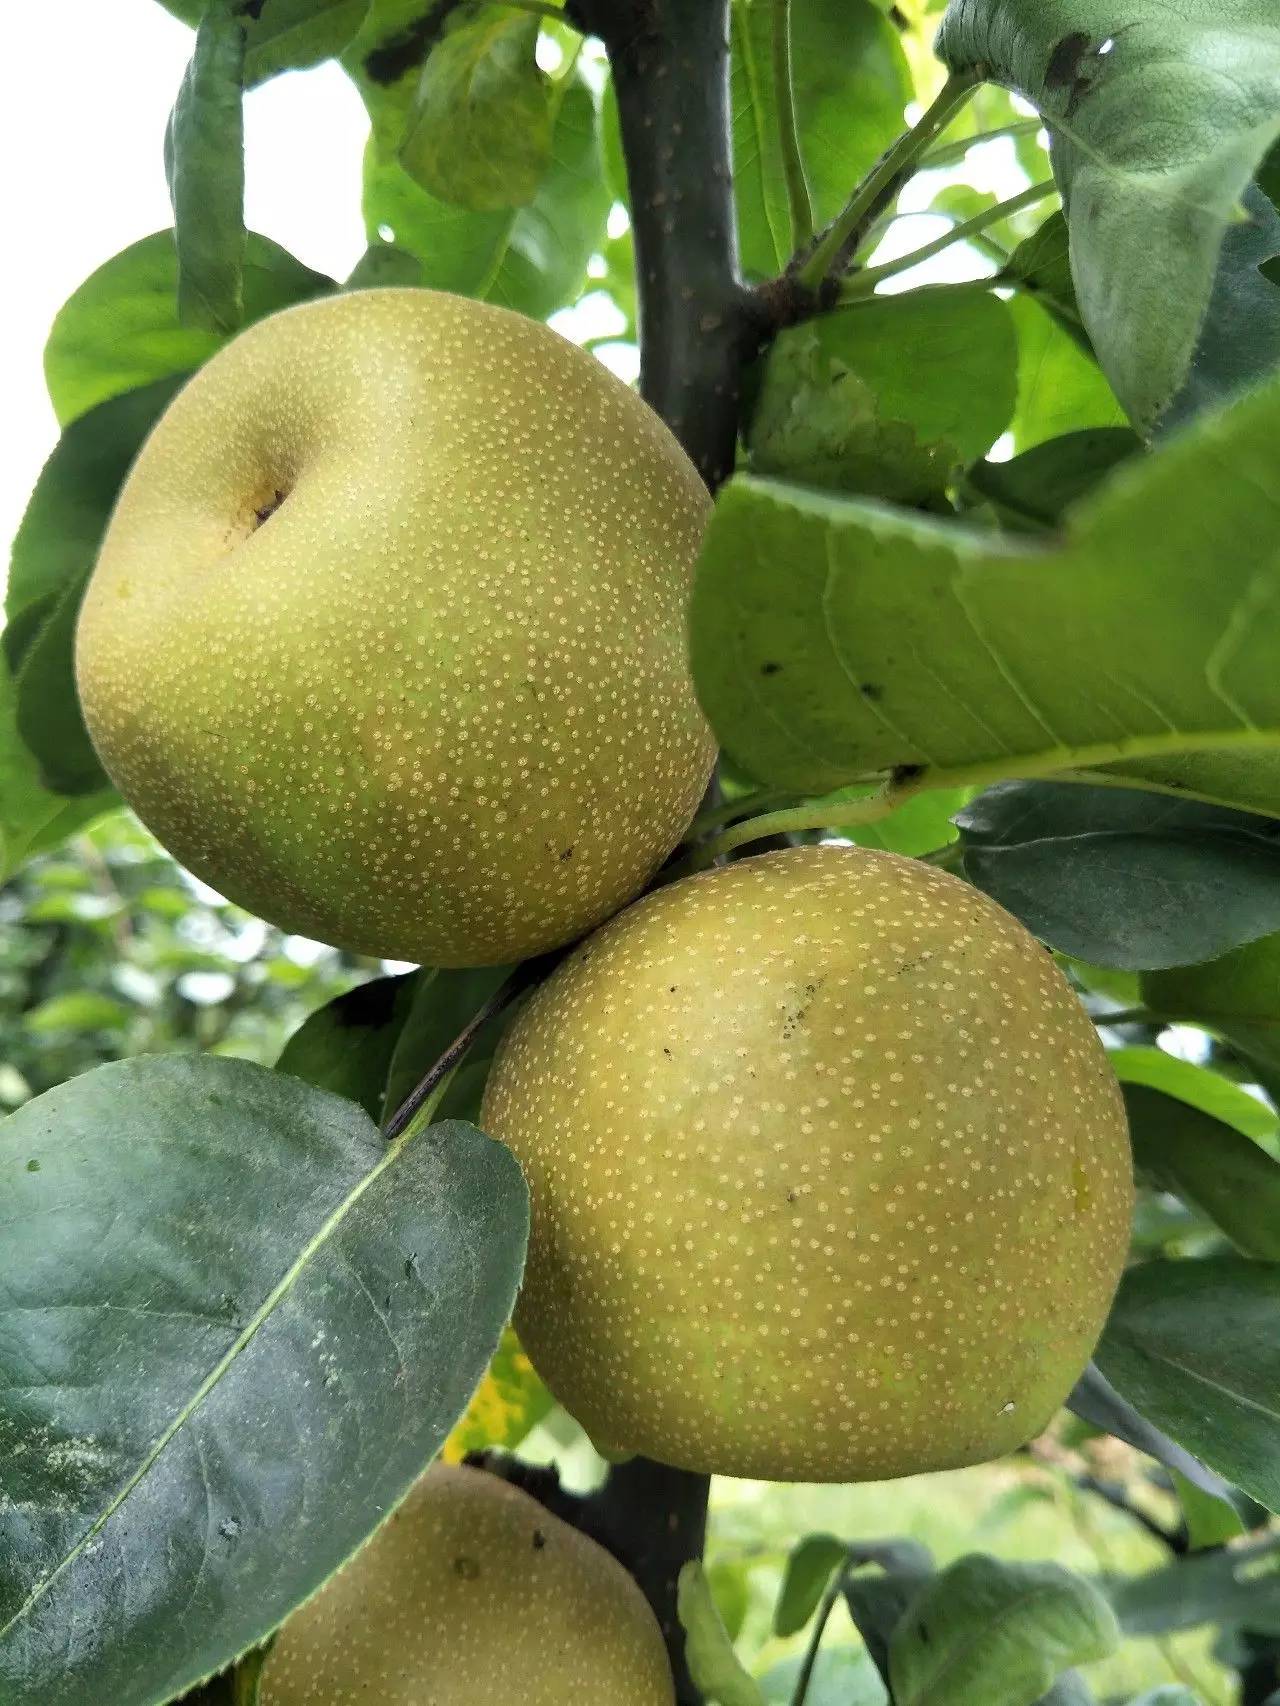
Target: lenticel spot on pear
column 386, row 640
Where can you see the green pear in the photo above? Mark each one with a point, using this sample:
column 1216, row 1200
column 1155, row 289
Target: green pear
column 386, row 640
column 830, row 1175
column 469, row 1595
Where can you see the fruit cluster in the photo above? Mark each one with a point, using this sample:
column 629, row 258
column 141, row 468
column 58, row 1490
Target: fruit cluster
column 829, row 1174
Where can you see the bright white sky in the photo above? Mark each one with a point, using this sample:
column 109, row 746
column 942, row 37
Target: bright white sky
column 88, row 179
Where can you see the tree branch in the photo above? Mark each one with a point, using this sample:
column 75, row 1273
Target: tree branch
column 698, row 321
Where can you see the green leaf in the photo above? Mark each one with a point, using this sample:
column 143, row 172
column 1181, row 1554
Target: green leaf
column 851, row 82
column 1040, row 267
column 346, row 1046
column 77, row 1010
column 1210, row 1521
column 842, row 1676
column 1120, row 878
column 804, row 1581
column 1154, row 163
column 921, row 824
column 889, row 397
column 384, row 264
column 53, row 556
column 1070, row 1690
column 1033, row 492
column 1061, row 389
column 479, row 134
column 985, row 1633
column 1095, row 1401
column 713, row 1664
column 1229, row 1178
column 443, row 1004
column 1229, row 1586
column 218, row 1286
column 533, row 259
column 1197, row 1087
column 33, row 819
column 1169, row 1694
column 1195, row 1346
column 834, row 639
column 1237, row 995
column 877, row 1603
column 287, row 35
column 204, row 163
column 120, row 328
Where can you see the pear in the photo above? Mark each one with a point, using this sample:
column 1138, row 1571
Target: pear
column 472, row 1594
column 386, row 639
column 830, row 1174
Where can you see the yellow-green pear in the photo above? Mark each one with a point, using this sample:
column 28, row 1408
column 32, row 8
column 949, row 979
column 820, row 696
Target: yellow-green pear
column 386, row 640
column 470, row 1595
column 830, row 1175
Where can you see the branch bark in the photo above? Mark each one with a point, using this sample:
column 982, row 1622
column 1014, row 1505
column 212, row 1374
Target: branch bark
column 698, row 321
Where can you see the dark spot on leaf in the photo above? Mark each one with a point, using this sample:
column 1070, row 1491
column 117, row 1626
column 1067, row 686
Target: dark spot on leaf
column 871, row 690
column 907, row 772
column 411, row 1267
column 467, row 1568
column 770, row 668
column 33, row 1166
column 1066, row 59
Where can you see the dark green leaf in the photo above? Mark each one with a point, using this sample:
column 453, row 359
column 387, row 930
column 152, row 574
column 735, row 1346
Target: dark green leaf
column 479, row 133
column 984, row 1633
column 1153, row 161
column 443, row 1004
column 833, row 639
column 1034, row 491
column 1215, row 1587
column 383, row 264
column 889, row 397
column 204, row 162
column 851, row 82
column 120, row 328
column 235, row 1327
column 1122, row 878
column 1229, row 1178
column 1195, row 1346
column 877, row 1603
column 804, row 1581
column 347, row 1045
column 32, row 818
column 1095, row 1400
column 53, row 555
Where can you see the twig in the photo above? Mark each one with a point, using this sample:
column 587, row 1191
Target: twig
column 835, row 1587
column 815, row 814
column 863, row 283
column 799, row 197
column 524, row 977
column 845, row 233
column 1115, row 1495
